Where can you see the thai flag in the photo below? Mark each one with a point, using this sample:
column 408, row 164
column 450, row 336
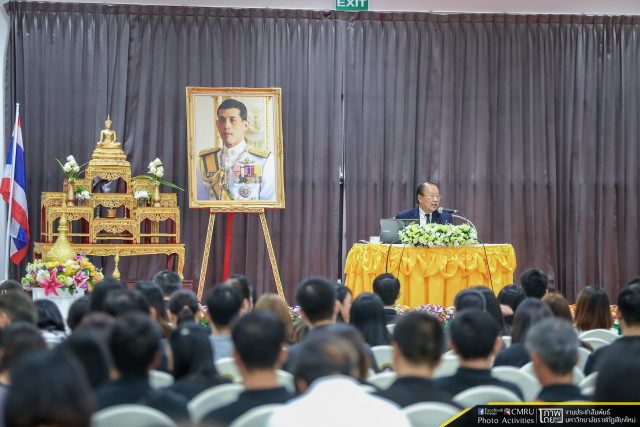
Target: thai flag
column 19, row 229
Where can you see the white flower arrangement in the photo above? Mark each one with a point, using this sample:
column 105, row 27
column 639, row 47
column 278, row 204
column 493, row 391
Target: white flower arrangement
column 438, row 235
column 83, row 195
column 142, row 194
column 71, row 169
column 156, row 171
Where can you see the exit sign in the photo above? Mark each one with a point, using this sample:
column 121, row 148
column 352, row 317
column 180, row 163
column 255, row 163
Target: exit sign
column 352, row 4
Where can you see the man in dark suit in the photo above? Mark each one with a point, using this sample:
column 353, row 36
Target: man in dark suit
column 428, row 196
column 387, row 287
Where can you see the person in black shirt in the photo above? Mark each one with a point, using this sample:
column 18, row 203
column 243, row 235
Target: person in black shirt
column 387, row 287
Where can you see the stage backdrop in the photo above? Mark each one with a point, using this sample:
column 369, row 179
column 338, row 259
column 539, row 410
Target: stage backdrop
column 527, row 123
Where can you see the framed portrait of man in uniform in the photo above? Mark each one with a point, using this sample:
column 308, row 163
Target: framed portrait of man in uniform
column 235, row 148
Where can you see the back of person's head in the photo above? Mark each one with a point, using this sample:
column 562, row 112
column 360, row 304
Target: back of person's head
column 555, row 341
column 367, row 314
column 154, row 296
column 77, row 311
column 420, row 338
column 257, row 339
column 17, row 307
column 387, row 288
column 17, row 340
column 92, row 354
column 184, row 306
column 559, row 306
column 101, row 290
column 49, row 316
column 274, row 304
column 353, row 335
column 121, row 301
column 10, row 285
column 592, row 309
column 323, row 354
column 469, row 298
column 192, row 352
column 534, row 283
column 316, row 297
column 492, row 306
column 629, row 305
column 512, row 296
column 473, row 333
column 168, row 281
column 98, row 324
column 619, row 374
column 223, row 304
column 530, row 312
column 134, row 343
column 300, row 330
column 245, row 286
column 53, row 391
column 344, row 298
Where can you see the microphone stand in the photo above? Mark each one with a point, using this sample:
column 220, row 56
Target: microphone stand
column 486, row 257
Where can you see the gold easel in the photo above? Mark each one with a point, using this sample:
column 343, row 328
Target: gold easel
column 267, row 239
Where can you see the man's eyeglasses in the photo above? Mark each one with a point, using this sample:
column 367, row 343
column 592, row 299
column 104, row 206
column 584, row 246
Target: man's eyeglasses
column 431, row 196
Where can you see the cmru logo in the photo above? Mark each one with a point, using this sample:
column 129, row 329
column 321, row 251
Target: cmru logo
column 551, row 415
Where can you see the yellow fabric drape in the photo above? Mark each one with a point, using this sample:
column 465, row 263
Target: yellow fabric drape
column 430, row 275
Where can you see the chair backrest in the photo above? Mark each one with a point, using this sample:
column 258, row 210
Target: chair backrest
column 384, row 356
column 448, row 366
column 256, row 417
column 594, row 342
column 578, row 375
column 213, row 398
column 528, row 384
column 131, row 415
column 391, row 327
column 603, row 334
column 286, row 379
column 382, row 380
column 227, row 368
column 429, row 414
column 583, row 355
column 506, row 339
column 588, row 381
column 159, row 379
column 483, row 394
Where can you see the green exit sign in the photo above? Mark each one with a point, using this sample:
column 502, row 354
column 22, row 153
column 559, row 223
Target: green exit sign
column 352, row 4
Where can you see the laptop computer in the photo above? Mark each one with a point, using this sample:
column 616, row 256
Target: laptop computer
column 390, row 228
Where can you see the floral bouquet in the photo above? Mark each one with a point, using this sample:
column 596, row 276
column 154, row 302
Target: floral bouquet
column 71, row 169
column 438, row 235
column 82, row 193
column 156, row 171
column 142, row 195
column 71, row 276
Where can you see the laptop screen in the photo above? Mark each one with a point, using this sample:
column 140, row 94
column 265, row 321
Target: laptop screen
column 390, row 228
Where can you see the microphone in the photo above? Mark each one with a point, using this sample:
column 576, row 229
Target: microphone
column 449, row 211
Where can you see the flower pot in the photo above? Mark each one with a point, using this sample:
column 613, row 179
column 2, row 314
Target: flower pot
column 111, row 212
column 81, row 202
column 143, row 203
column 156, row 196
column 63, row 300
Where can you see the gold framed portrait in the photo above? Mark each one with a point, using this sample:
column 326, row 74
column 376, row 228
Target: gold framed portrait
column 235, row 148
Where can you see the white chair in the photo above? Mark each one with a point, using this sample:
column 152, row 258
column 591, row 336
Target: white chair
column 382, row 380
column 429, row 414
column 528, row 384
column 286, row 379
column 588, row 381
column 448, row 366
column 227, row 368
column 159, row 379
column 583, row 355
column 603, row 334
column 595, row 343
column 506, row 339
column 131, row 415
column 578, row 375
column 256, row 417
column 391, row 327
column 213, row 398
column 384, row 356
column 483, row 394
column 588, row 391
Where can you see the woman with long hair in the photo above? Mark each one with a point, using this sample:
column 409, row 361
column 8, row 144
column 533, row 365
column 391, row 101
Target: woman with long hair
column 592, row 309
column 275, row 304
column 367, row 314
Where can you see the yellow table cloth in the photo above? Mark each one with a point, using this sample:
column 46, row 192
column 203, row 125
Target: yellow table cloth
column 430, row 275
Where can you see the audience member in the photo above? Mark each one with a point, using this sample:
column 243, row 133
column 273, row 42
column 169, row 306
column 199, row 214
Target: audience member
column 101, row 290
column 509, row 299
column 259, row 339
column 77, row 311
column 469, row 298
column 367, row 314
column 628, row 314
column 53, row 391
column 365, row 358
column 93, row 356
column 344, row 299
column 323, row 374
column 553, row 346
column 530, row 312
column 98, row 324
column 184, row 307
column 50, row 321
column 193, row 367
column 300, row 330
column 417, row 340
column 493, row 307
column 274, row 304
column 134, row 346
column 10, row 285
column 245, row 286
column 534, row 283
column 169, row 282
column 559, row 306
column 157, row 308
column 620, row 373
column 592, row 309
column 122, row 301
column 475, row 338
column 224, row 303
column 387, row 287
column 17, row 307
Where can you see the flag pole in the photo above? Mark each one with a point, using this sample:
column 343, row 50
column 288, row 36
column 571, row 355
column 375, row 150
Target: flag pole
column 13, row 171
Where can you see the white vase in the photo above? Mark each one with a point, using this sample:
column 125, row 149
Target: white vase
column 63, row 300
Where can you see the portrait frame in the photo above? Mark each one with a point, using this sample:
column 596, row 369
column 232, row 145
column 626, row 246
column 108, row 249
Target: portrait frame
column 255, row 177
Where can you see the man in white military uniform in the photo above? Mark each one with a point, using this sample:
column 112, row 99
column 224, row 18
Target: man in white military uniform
column 235, row 172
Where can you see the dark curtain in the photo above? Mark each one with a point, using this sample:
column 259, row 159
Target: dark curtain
column 527, row 123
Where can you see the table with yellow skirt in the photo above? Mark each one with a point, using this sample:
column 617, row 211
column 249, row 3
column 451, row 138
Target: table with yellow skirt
column 430, row 275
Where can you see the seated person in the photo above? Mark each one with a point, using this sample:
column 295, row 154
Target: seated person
column 553, row 346
column 224, row 303
column 387, row 287
column 619, row 376
column 475, row 338
column 259, row 350
column 428, row 197
column 417, row 340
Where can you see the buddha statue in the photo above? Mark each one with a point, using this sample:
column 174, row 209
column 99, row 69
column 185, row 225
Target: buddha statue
column 108, row 138
column 108, row 150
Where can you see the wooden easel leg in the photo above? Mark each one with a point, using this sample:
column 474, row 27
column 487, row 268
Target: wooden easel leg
column 272, row 256
column 205, row 257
